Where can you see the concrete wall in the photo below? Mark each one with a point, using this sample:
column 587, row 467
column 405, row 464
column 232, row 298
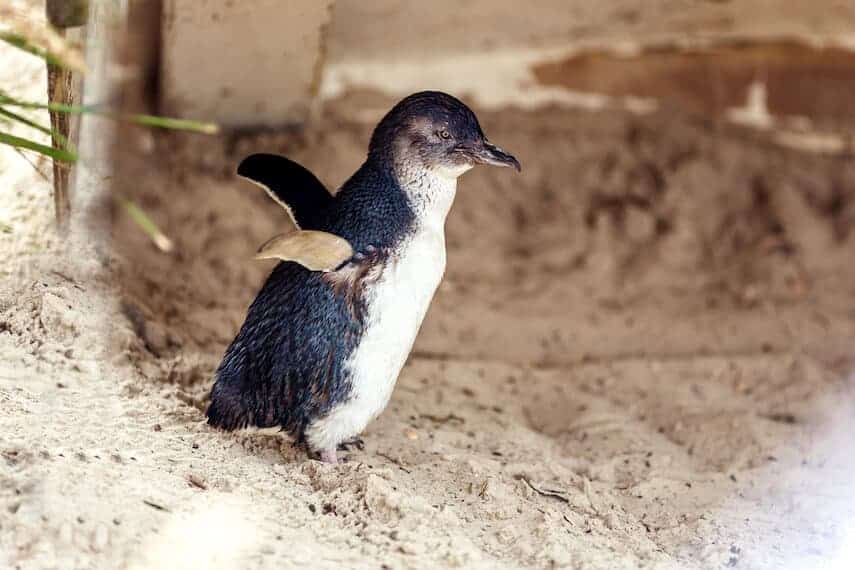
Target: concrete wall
column 242, row 63
column 249, row 63
column 381, row 29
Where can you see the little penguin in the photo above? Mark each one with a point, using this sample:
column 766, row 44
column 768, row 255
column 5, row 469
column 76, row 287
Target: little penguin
column 324, row 341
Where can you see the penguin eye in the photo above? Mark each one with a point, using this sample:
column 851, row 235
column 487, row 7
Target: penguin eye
column 444, row 134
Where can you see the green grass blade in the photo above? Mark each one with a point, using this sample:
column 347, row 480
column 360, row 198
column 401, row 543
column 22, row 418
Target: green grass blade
column 21, row 43
column 10, row 101
column 60, row 154
column 72, row 60
column 146, row 224
column 145, row 120
column 176, row 124
column 24, row 120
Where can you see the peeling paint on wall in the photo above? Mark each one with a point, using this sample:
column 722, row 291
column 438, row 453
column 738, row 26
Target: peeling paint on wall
column 799, row 80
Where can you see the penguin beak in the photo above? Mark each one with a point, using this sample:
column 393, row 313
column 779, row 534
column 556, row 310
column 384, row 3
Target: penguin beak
column 488, row 153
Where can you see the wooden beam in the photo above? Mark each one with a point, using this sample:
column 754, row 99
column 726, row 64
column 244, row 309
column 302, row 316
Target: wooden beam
column 63, row 14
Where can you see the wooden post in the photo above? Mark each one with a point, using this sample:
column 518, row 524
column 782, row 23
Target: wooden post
column 63, row 14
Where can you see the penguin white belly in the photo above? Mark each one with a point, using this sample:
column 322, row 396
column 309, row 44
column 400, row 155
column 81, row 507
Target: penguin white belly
column 396, row 305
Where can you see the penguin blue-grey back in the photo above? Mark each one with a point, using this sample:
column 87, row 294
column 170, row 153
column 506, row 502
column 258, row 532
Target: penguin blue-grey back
column 320, row 350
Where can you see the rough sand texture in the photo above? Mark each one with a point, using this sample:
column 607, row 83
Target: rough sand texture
column 641, row 356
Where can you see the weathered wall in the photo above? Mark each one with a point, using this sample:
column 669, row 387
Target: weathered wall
column 381, row 29
column 258, row 63
column 771, row 63
column 242, row 63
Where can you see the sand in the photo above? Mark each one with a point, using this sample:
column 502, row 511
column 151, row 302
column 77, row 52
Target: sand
column 641, row 356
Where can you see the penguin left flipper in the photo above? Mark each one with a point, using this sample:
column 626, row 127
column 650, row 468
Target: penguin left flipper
column 314, row 250
column 291, row 185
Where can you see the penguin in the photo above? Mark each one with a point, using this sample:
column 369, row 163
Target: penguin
column 324, row 341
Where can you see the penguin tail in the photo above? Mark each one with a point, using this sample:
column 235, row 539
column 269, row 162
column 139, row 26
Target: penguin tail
column 235, row 407
column 226, row 410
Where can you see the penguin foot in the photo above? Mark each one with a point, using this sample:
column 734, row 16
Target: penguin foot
column 356, row 442
column 329, row 456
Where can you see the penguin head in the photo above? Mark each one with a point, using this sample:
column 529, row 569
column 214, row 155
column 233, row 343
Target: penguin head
column 435, row 131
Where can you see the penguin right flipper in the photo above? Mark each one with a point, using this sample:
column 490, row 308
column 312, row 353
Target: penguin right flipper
column 314, row 250
column 290, row 185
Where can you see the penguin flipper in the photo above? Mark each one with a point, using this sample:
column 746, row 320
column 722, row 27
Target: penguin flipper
column 291, row 185
column 314, row 250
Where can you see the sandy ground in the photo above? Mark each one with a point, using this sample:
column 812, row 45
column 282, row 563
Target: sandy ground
column 641, row 356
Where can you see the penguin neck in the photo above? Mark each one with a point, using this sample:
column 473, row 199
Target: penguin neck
column 429, row 191
column 383, row 202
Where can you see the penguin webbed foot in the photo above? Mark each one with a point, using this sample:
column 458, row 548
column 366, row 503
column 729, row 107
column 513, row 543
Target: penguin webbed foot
column 329, row 456
column 356, row 442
